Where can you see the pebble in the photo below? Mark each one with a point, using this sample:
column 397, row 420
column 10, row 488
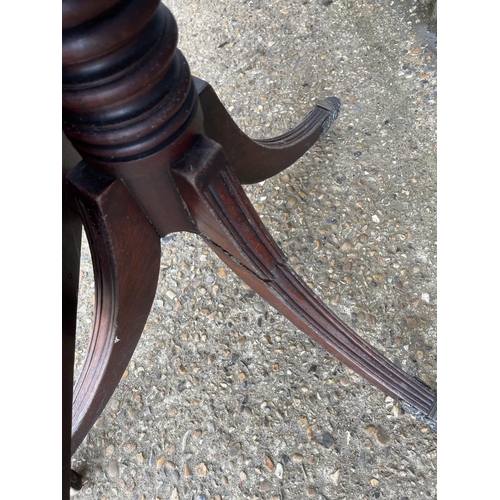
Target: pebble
column 335, row 477
column 233, row 451
column 160, row 462
column 374, row 482
column 369, row 430
column 174, row 495
column 225, row 480
column 113, row 468
column 109, row 450
column 222, row 272
column 187, row 471
column 297, row 457
column 265, row 485
column 327, row 440
column 279, row 471
column 268, row 463
column 310, row 491
column 381, row 436
column 129, row 447
column 201, row 469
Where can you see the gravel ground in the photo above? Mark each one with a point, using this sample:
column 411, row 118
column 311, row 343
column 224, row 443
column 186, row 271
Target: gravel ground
column 224, row 398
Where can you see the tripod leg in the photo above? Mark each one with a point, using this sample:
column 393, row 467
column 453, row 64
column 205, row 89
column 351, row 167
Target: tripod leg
column 229, row 224
column 126, row 257
column 257, row 160
column 71, row 241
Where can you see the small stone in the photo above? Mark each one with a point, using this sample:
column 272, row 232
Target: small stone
column 243, row 476
column 375, row 219
column 374, row 482
column 265, row 485
column 133, row 414
column 279, row 471
column 242, row 340
column 242, row 376
column 346, row 246
column 297, row 457
column 187, row 471
column 217, row 497
column 344, row 381
column 100, row 422
column 113, row 468
column 201, row 469
column 335, row 477
column 222, row 272
column 369, row 430
column 160, row 462
column 174, row 495
column 327, row 440
column 310, row 491
column 225, row 480
column 268, row 463
column 109, row 450
column 309, row 431
column 129, row 447
column 170, row 464
column 140, row 458
column 233, row 451
column 381, row 436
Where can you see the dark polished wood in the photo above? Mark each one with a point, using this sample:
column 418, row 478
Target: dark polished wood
column 161, row 154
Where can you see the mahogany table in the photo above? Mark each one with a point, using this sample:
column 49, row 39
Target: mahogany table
column 161, row 154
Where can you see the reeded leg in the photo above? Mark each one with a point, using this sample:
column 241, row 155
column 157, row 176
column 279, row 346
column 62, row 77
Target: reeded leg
column 257, row 160
column 229, row 224
column 126, row 256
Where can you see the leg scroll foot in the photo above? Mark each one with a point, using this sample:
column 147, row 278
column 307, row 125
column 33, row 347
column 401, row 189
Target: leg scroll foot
column 257, row 160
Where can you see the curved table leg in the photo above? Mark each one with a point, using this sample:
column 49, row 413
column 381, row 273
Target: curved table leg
column 257, row 160
column 71, row 243
column 229, row 224
column 126, row 257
